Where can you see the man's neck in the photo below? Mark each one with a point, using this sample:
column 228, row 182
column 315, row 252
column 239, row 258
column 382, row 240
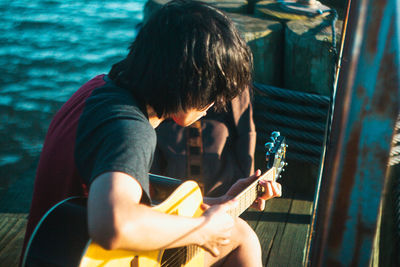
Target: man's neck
column 153, row 118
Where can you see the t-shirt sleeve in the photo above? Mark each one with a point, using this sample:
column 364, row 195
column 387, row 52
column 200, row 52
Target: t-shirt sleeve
column 122, row 145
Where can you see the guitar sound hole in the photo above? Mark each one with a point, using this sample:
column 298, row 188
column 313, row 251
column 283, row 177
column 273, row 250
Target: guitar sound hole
column 174, row 257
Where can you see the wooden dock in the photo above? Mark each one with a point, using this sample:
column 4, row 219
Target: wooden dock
column 12, row 230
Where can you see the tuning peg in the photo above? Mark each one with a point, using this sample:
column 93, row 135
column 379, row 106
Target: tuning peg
column 275, row 134
column 269, row 145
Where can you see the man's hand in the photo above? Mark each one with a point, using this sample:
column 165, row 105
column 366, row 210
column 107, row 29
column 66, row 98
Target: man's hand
column 217, row 226
column 272, row 189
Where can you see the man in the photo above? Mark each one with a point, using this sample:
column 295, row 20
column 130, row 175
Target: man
column 186, row 58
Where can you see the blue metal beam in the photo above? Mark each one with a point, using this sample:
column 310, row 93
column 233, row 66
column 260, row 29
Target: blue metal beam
column 366, row 106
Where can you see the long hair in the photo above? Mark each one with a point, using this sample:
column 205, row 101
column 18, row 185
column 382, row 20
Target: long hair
column 187, row 55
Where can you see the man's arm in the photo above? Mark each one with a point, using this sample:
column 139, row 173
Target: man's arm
column 116, row 219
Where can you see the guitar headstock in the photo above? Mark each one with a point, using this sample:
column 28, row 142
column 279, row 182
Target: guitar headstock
column 275, row 154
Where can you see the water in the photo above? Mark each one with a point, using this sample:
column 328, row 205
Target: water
column 48, row 49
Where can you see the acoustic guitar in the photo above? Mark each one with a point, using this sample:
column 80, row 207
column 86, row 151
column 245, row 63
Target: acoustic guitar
column 61, row 237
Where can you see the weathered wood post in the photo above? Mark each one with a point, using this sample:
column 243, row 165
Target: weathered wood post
column 311, row 35
column 264, row 37
column 310, row 55
column 309, row 66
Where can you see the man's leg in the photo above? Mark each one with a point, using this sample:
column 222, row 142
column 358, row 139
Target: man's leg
column 243, row 250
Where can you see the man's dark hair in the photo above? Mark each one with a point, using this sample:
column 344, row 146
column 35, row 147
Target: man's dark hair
column 187, row 55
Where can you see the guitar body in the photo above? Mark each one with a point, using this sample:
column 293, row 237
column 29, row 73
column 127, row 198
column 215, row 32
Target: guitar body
column 61, row 237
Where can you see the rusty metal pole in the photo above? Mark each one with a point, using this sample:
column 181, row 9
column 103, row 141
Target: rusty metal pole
column 366, row 106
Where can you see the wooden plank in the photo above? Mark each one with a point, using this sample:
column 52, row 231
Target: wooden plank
column 283, row 228
column 290, row 250
column 271, row 224
column 12, row 231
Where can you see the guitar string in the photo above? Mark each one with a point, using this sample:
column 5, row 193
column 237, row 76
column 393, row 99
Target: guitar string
column 191, row 251
column 174, row 258
column 177, row 256
column 248, row 191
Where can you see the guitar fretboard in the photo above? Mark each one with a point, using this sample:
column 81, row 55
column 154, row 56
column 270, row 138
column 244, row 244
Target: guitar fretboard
column 250, row 194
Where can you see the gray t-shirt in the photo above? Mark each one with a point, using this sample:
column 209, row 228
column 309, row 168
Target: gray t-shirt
column 114, row 134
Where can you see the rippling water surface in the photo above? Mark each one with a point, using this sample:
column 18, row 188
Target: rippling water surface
column 47, row 50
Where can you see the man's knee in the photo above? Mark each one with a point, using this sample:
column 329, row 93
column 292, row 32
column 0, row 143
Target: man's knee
column 246, row 235
column 247, row 249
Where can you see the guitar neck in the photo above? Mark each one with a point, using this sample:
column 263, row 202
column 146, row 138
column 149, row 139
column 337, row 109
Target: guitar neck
column 250, row 194
column 164, row 186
